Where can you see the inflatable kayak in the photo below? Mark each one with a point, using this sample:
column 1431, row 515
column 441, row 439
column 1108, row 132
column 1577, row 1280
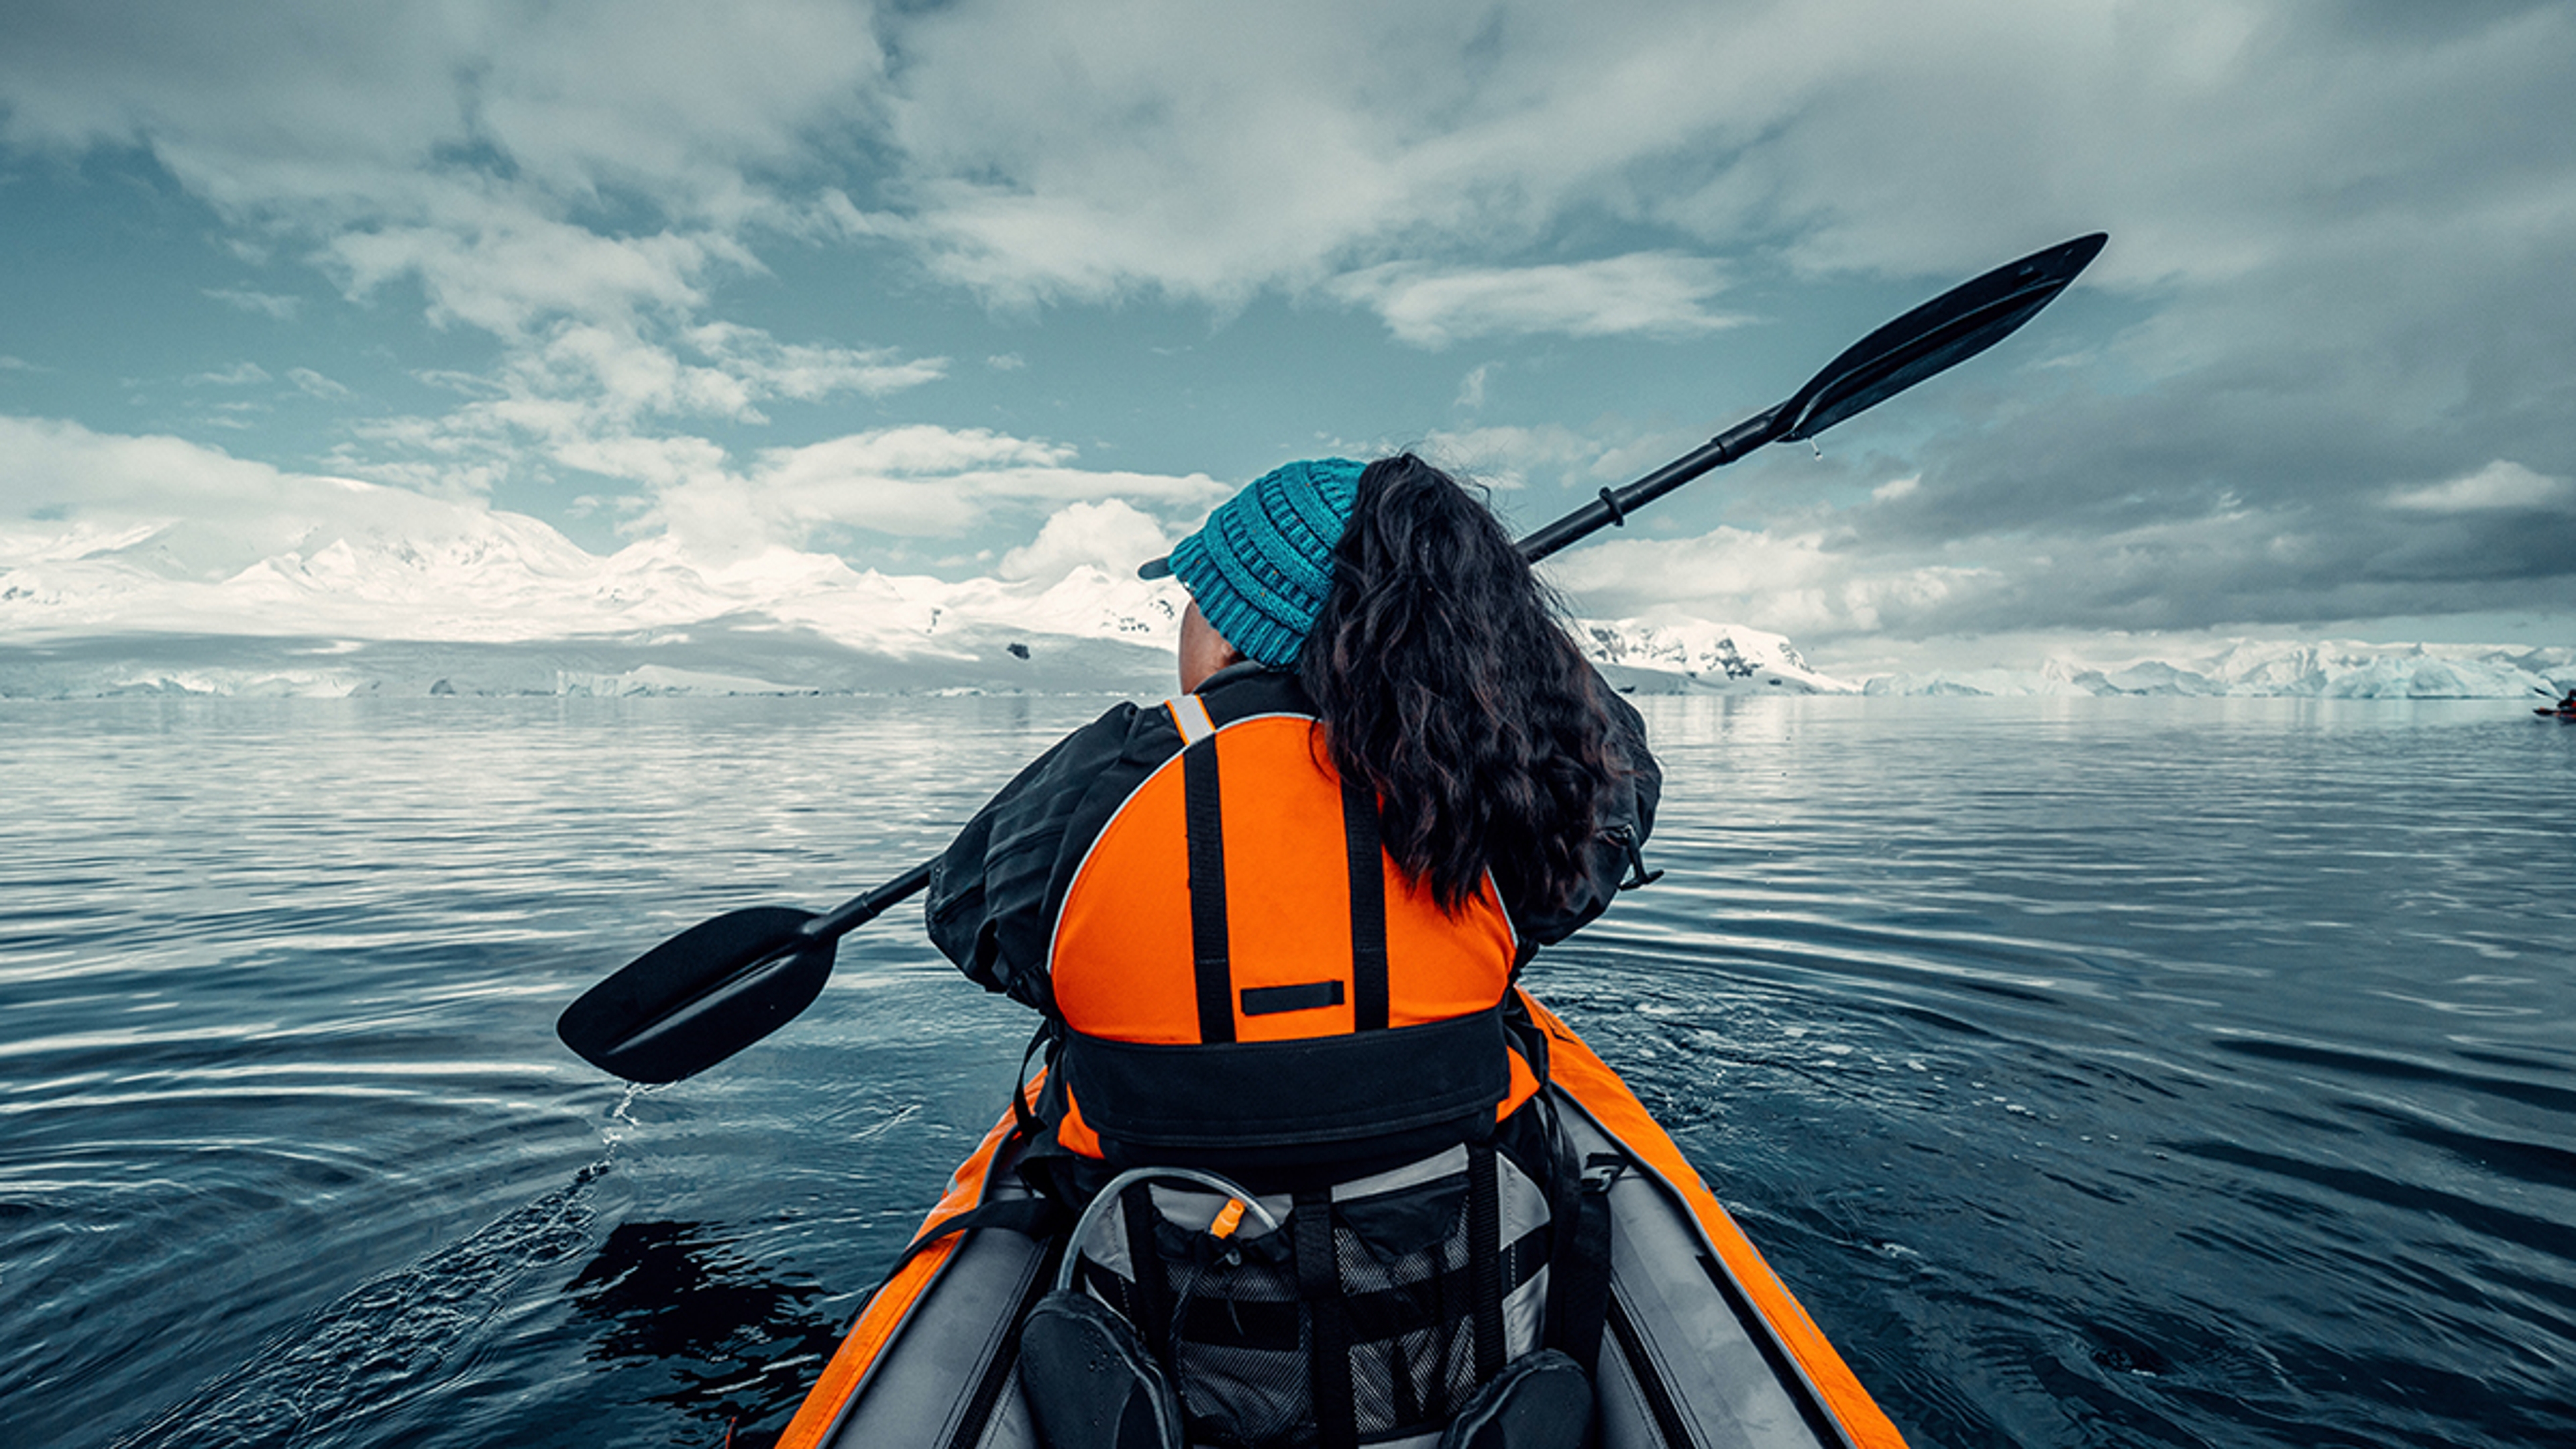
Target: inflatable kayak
column 1703, row 1348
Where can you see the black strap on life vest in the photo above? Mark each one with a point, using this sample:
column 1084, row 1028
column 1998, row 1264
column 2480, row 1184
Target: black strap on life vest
column 1202, row 809
column 1368, row 905
column 1211, row 952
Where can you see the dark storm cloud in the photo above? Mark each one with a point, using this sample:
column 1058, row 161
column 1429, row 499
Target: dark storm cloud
column 2354, row 394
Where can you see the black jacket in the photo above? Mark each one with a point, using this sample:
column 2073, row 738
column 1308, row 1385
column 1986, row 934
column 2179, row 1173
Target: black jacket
column 994, row 894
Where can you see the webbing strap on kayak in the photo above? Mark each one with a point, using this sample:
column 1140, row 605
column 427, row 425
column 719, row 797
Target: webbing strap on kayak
column 1032, row 1217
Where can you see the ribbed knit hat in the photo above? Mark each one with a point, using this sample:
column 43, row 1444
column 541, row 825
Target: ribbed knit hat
column 1262, row 563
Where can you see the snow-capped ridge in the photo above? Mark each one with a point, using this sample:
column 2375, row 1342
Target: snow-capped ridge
column 490, row 575
column 2331, row 669
column 1678, row 654
column 373, row 600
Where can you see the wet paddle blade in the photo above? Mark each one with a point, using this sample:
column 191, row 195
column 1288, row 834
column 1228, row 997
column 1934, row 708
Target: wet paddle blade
column 701, row 996
column 1938, row 335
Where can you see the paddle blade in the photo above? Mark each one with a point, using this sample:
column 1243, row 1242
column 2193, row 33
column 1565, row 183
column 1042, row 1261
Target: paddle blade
column 1938, row 335
column 700, row 996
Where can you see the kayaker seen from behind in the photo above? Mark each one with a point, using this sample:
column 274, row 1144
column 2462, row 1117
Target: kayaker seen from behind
column 1273, row 927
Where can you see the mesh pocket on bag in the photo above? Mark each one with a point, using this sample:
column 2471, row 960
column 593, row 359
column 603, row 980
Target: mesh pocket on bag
column 1230, row 1318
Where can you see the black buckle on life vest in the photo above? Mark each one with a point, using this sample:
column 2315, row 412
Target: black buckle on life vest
column 1626, row 839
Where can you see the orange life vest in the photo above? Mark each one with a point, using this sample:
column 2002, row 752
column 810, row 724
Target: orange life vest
column 1241, row 969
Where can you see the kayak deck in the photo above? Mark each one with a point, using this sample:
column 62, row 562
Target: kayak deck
column 1705, row 1348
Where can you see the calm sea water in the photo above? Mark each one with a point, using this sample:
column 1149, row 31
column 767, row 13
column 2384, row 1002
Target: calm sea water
column 2098, row 1072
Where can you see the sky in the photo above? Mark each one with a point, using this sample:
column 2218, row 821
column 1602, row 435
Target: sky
column 991, row 289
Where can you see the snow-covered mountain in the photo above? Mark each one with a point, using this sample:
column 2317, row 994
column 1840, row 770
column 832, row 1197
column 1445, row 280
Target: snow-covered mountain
column 459, row 600
column 1694, row 656
column 412, row 596
column 494, row 603
column 2276, row 668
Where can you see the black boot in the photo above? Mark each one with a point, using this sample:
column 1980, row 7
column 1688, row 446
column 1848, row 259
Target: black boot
column 1541, row 1400
column 1089, row 1382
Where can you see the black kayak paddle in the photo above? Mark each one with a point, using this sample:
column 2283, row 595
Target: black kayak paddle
column 723, row 984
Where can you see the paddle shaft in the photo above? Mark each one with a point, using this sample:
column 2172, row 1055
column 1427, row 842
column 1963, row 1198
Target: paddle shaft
column 1611, row 509
column 859, row 910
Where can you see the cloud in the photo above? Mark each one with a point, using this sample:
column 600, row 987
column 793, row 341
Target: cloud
column 240, row 374
column 315, row 109
column 182, row 508
column 266, row 304
column 911, row 481
column 2339, row 248
column 1471, row 388
column 1791, row 582
column 1652, row 294
column 315, row 384
column 596, row 397
column 1112, row 535
column 1915, row 558
column 806, row 372
column 1504, row 456
column 492, row 265
column 2502, row 484
column 571, row 180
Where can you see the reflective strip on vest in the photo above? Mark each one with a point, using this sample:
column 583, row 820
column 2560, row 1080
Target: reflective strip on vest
column 1190, row 717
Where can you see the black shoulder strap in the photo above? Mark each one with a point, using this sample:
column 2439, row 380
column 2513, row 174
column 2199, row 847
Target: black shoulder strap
column 1368, row 906
column 1204, row 814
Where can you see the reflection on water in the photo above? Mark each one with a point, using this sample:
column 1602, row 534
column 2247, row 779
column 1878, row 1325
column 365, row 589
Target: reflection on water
column 681, row 1297
column 2097, row 1071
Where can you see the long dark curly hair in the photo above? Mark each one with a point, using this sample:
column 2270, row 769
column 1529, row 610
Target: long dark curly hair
column 1444, row 677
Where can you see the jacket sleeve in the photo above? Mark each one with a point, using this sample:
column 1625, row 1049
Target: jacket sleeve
column 1629, row 818
column 989, row 900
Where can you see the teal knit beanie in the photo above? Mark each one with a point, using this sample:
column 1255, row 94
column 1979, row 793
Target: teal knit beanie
column 1262, row 563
